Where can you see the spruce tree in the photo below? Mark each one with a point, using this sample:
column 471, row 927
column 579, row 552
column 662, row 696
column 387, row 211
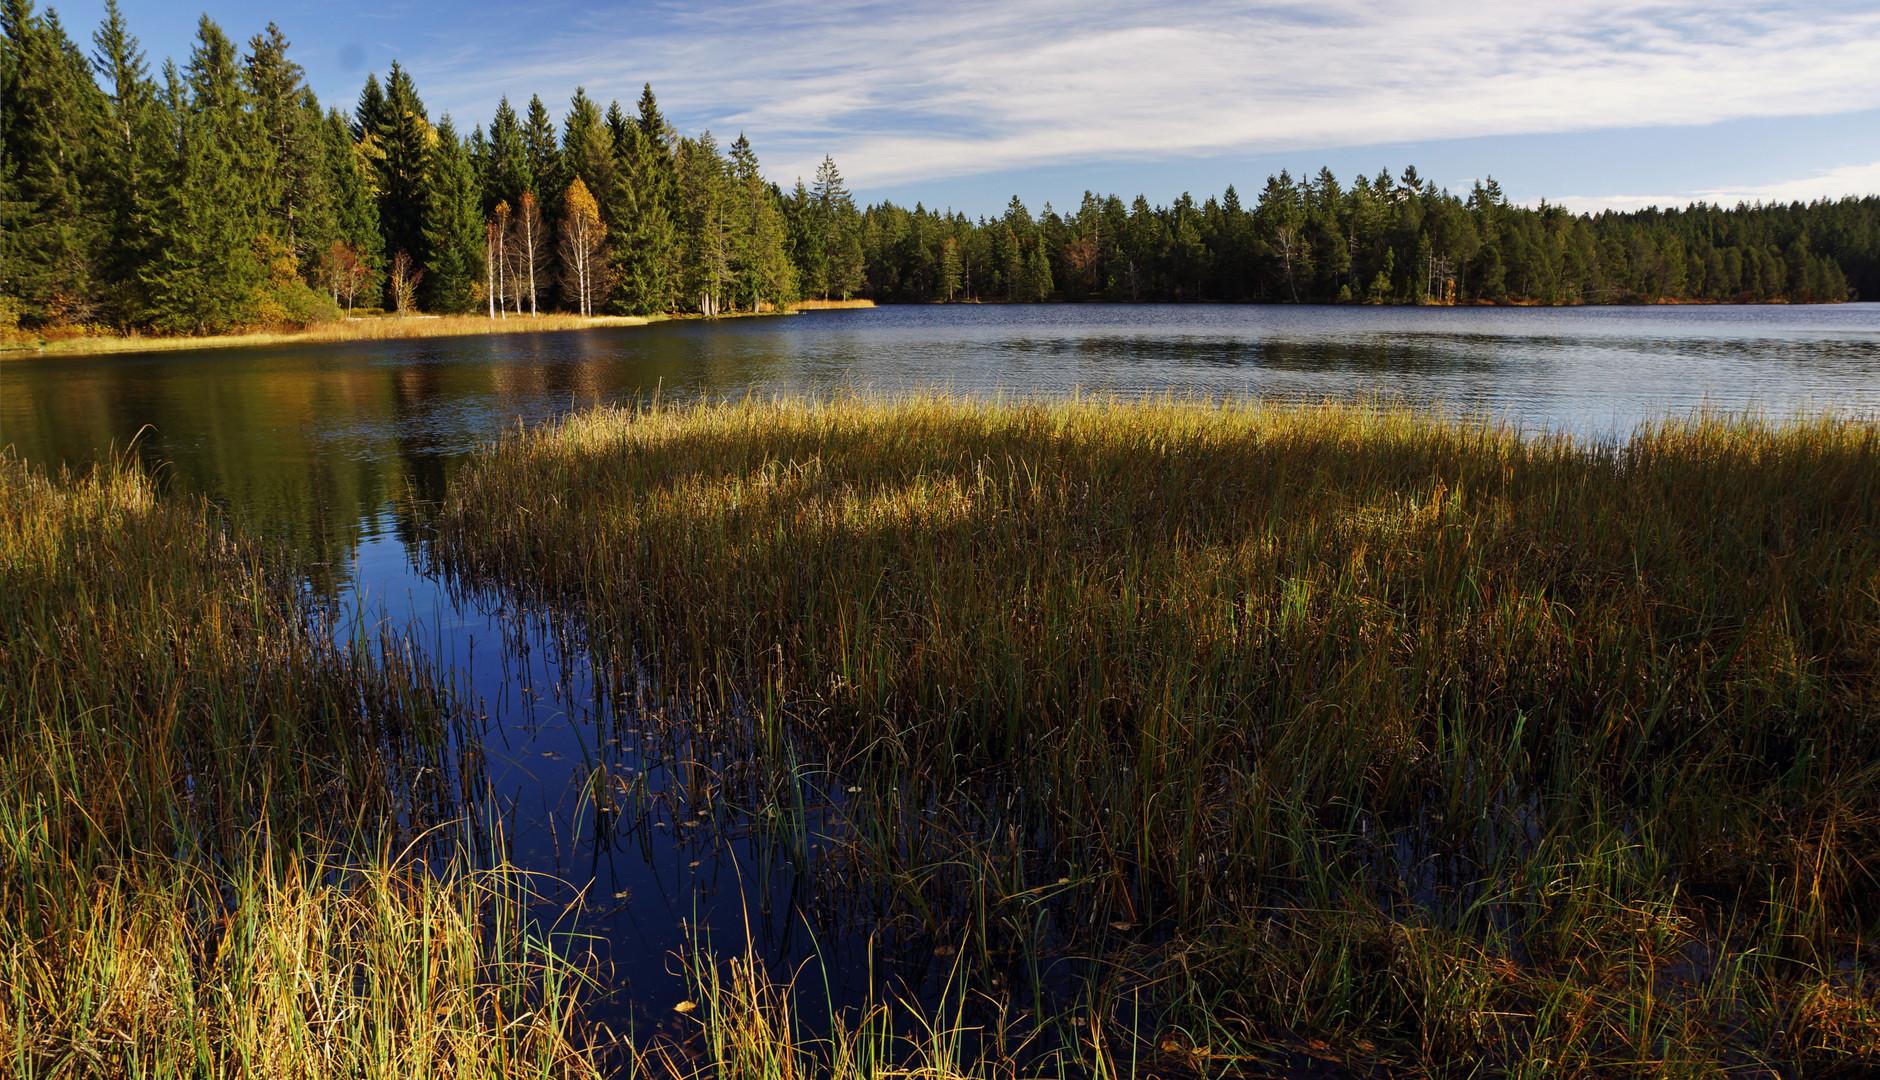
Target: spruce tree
column 704, row 237
column 404, row 136
column 370, row 113
column 208, row 261
column 301, row 210
column 760, row 265
column 549, row 173
column 646, row 246
column 587, row 147
column 543, row 150
column 837, row 227
column 453, row 225
column 507, row 175
column 52, row 116
column 126, row 164
column 349, row 180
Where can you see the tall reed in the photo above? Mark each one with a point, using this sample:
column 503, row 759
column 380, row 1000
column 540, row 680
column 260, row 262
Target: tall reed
column 1521, row 746
column 227, row 841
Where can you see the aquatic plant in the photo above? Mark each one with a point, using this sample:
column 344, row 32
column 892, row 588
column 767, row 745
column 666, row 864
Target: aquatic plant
column 1344, row 723
column 230, row 845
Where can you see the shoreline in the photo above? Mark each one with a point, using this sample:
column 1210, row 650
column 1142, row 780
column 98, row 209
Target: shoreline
column 386, row 328
column 369, row 328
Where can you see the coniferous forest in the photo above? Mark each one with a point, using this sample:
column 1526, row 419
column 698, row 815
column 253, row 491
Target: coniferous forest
column 220, row 194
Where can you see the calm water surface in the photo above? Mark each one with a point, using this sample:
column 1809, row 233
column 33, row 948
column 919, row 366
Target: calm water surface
column 337, row 448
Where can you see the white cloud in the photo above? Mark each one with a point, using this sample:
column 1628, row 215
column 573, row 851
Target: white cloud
column 908, row 91
column 1832, row 184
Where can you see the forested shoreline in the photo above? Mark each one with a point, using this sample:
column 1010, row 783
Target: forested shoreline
column 221, row 195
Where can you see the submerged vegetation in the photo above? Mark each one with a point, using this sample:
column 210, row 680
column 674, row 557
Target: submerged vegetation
column 228, row 845
column 1345, row 732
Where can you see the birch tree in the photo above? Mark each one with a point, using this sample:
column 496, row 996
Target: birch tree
column 531, row 251
column 583, row 243
column 497, row 258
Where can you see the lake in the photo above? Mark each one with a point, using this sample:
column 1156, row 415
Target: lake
column 338, row 448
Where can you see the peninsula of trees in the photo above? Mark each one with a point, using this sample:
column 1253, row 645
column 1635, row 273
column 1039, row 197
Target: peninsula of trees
column 221, row 194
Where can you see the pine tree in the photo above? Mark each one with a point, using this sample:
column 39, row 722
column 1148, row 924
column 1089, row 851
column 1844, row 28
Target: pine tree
column 453, row 225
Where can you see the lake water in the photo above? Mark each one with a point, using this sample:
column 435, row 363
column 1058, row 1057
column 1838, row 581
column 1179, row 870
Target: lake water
column 337, row 448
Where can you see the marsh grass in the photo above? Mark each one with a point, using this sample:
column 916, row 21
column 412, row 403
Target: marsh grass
column 233, row 846
column 1340, row 726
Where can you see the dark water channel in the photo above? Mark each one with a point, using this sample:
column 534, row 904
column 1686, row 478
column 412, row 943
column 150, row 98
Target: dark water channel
column 337, row 449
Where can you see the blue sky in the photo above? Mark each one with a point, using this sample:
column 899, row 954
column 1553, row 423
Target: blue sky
column 965, row 104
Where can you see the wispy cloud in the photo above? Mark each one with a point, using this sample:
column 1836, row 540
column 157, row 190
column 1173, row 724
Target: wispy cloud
column 1831, row 184
column 901, row 91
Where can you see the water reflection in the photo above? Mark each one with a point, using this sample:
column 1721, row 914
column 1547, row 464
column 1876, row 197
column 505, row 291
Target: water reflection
column 309, row 442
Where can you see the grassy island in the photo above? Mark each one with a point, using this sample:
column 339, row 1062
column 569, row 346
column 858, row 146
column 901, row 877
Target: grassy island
column 1407, row 742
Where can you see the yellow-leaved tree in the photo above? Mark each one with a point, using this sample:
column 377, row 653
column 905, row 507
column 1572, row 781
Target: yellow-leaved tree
column 583, row 247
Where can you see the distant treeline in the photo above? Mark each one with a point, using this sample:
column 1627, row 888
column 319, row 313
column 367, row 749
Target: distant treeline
column 221, row 194
column 1383, row 240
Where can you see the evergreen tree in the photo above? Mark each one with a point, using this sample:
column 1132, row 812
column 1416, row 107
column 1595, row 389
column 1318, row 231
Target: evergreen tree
column 507, row 174
column 404, row 138
column 836, row 230
column 705, row 240
column 587, row 146
column 203, row 202
column 543, row 151
column 370, row 113
column 208, row 263
column 453, row 225
column 646, row 247
column 301, row 210
column 761, row 265
column 51, row 116
column 126, row 164
column 349, row 176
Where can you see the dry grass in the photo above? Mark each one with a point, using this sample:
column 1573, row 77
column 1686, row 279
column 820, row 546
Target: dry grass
column 831, row 305
column 360, row 329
